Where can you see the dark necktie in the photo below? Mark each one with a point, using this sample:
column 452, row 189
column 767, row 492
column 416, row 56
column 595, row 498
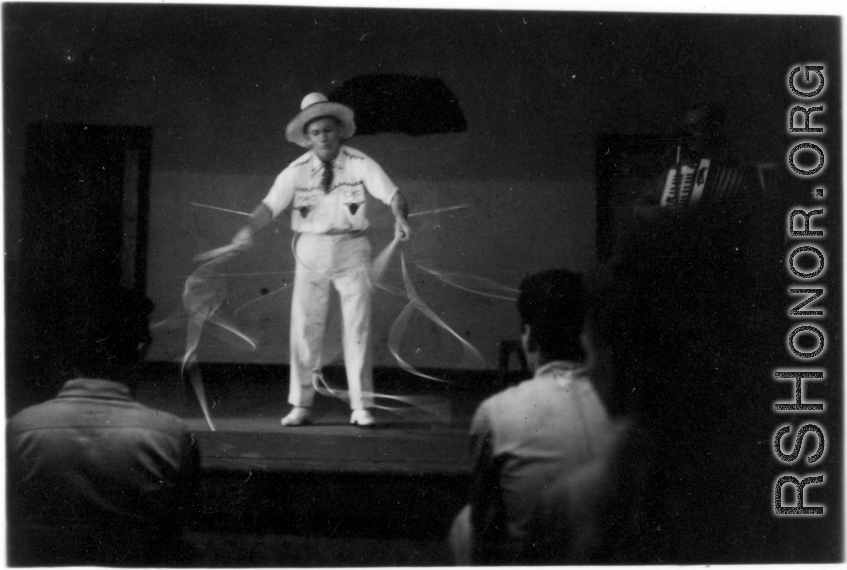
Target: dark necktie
column 326, row 178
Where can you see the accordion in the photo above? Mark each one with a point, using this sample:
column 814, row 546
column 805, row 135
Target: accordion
column 689, row 183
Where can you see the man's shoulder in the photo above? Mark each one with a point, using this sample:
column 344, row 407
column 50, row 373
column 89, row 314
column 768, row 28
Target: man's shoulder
column 354, row 155
column 139, row 417
column 504, row 411
column 531, row 389
column 507, row 396
column 59, row 414
column 302, row 161
column 32, row 416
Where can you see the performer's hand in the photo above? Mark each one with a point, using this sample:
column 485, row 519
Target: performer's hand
column 243, row 240
column 402, row 230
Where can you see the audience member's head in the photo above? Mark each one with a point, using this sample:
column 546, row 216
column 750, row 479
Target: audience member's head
column 115, row 333
column 703, row 127
column 552, row 307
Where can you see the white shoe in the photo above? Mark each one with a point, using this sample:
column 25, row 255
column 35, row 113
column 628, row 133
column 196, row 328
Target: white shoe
column 362, row 418
column 297, row 416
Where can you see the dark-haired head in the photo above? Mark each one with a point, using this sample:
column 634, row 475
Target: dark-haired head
column 553, row 304
column 703, row 126
column 116, row 333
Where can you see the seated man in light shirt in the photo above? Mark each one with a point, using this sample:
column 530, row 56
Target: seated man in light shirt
column 540, row 447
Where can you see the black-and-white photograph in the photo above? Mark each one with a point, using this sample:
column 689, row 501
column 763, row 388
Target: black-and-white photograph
column 501, row 285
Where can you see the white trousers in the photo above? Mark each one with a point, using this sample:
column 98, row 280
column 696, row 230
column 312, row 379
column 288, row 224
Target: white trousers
column 342, row 261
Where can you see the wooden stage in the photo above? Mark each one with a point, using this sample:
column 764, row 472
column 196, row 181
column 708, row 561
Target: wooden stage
column 394, row 488
column 248, row 437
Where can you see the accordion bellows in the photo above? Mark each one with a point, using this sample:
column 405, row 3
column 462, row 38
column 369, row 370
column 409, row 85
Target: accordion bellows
column 689, row 183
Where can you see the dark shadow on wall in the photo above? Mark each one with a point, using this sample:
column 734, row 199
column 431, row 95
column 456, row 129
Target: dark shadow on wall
column 396, row 103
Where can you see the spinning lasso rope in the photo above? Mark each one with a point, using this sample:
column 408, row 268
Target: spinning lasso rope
column 205, row 290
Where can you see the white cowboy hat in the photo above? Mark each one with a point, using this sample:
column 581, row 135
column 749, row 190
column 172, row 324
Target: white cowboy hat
column 316, row 105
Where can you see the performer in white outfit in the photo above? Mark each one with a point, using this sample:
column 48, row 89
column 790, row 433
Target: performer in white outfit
column 326, row 189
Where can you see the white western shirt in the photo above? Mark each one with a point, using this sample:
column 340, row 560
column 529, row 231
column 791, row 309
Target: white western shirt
column 343, row 208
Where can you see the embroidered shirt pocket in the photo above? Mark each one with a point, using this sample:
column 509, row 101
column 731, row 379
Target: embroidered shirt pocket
column 352, row 197
column 305, row 201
